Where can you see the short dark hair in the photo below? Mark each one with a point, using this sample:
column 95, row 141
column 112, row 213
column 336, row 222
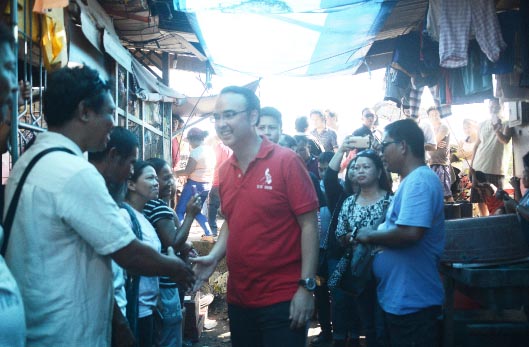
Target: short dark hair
column 67, row 87
column 431, row 108
column 525, row 160
column 383, row 181
column 301, row 124
column 407, row 130
column 6, row 35
column 325, row 157
column 272, row 112
column 123, row 140
column 368, row 110
column 302, row 140
column 318, row 112
column 289, row 140
column 157, row 163
column 252, row 101
column 330, row 113
column 139, row 166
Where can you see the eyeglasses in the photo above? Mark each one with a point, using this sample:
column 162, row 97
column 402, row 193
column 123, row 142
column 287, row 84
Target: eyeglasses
column 226, row 115
column 384, row 144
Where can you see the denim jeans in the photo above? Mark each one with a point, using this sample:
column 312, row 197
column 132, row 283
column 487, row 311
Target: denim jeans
column 264, row 327
column 213, row 207
column 418, row 329
column 169, row 333
column 187, row 194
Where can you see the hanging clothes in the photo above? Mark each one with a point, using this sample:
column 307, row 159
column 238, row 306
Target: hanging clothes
column 510, row 30
column 445, row 110
column 54, row 42
column 468, row 84
column 432, row 19
column 398, row 85
column 458, row 20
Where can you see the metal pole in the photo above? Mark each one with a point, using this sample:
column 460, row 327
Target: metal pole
column 166, row 106
column 14, row 105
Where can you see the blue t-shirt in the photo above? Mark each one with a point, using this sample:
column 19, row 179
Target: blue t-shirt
column 408, row 278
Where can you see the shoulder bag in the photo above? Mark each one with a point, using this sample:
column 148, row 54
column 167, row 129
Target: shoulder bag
column 353, row 272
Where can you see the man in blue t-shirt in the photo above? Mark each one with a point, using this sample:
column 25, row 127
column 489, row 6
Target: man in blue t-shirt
column 412, row 239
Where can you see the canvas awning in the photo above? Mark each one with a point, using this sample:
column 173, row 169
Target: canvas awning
column 299, row 38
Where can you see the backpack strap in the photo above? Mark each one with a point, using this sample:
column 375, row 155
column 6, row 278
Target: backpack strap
column 10, row 216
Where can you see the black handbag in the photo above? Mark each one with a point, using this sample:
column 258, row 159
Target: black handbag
column 359, row 272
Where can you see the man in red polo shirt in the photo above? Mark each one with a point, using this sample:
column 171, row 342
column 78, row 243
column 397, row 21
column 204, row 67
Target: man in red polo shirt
column 270, row 238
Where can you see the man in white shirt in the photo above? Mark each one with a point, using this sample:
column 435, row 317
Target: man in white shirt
column 67, row 228
column 12, row 326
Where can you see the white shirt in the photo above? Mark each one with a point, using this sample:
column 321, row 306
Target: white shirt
column 65, row 227
column 12, row 321
column 429, row 133
column 119, row 288
column 149, row 286
column 205, row 158
column 489, row 155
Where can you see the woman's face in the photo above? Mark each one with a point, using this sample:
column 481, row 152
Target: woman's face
column 166, row 181
column 147, row 185
column 366, row 173
column 351, row 174
column 525, row 177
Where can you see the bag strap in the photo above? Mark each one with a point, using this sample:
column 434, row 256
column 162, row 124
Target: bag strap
column 10, row 216
column 136, row 227
column 132, row 281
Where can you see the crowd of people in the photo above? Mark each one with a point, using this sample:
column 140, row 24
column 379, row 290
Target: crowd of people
column 92, row 250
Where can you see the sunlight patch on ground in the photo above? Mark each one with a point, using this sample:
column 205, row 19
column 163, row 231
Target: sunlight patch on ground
column 226, row 335
column 314, row 331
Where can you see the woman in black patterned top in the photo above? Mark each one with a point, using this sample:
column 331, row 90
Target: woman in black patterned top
column 364, row 209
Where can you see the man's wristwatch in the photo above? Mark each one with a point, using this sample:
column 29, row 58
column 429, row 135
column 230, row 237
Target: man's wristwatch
column 308, row 283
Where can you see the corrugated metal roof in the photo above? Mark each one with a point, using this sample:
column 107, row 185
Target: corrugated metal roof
column 158, row 27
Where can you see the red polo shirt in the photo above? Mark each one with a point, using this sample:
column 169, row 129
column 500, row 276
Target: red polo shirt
column 264, row 243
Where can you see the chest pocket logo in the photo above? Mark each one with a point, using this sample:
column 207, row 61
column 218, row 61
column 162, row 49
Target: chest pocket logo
column 266, row 181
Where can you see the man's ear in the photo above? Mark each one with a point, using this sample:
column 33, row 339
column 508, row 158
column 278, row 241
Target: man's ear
column 405, row 149
column 254, row 117
column 82, row 111
column 113, row 154
column 131, row 185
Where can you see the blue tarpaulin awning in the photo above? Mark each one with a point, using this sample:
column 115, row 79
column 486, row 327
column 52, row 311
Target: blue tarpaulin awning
column 291, row 37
